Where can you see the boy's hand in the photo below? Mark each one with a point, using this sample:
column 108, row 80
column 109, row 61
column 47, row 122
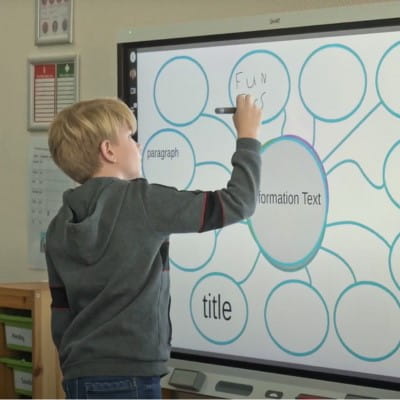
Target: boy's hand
column 247, row 117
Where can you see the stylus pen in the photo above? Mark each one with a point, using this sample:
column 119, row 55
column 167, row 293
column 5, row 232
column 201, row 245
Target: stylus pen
column 225, row 110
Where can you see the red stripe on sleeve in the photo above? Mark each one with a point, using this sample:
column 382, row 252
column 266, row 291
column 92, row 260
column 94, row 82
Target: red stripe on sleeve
column 203, row 212
column 222, row 208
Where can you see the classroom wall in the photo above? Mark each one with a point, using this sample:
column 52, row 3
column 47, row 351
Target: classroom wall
column 96, row 24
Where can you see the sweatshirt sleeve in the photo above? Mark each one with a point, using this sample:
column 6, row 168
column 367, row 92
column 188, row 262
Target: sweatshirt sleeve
column 60, row 311
column 180, row 211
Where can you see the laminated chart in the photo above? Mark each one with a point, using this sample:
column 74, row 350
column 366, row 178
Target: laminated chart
column 313, row 277
column 53, row 85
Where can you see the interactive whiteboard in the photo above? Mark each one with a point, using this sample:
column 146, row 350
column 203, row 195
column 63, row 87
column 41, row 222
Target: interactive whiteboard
column 312, row 280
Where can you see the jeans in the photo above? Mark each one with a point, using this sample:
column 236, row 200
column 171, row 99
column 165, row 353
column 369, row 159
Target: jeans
column 113, row 387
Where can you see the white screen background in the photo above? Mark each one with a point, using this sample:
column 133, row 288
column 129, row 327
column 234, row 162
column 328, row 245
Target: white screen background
column 312, row 278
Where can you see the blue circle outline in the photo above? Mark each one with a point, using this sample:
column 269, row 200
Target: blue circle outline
column 219, row 342
column 155, row 85
column 296, row 265
column 363, row 283
column 395, row 281
column 358, row 58
column 260, row 51
column 393, row 148
column 293, row 353
column 204, row 264
column 385, row 54
column 173, row 131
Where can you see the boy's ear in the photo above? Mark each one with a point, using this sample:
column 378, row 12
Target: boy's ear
column 107, row 152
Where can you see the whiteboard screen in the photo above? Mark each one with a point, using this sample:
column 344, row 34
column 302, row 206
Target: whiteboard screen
column 312, row 280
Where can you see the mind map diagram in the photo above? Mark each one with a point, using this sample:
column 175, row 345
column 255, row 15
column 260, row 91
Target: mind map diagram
column 314, row 275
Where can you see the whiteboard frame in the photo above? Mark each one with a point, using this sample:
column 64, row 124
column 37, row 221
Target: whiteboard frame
column 316, row 17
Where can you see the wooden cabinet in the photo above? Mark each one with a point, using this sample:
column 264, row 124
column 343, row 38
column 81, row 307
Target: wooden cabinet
column 32, row 300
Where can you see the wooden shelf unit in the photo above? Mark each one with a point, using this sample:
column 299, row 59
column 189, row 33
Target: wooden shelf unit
column 35, row 299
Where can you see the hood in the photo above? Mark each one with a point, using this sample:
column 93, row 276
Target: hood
column 88, row 217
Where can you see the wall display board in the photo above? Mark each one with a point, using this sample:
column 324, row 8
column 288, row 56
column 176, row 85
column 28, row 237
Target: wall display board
column 47, row 183
column 310, row 284
column 54, row 21
column 53, row 85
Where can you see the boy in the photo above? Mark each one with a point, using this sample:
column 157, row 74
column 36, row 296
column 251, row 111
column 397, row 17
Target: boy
column 107, row 248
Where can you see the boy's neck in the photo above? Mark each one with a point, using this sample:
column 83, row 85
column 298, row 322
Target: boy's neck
column 108, row 172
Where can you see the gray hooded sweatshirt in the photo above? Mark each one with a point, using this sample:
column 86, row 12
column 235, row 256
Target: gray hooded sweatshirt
column 107, row 259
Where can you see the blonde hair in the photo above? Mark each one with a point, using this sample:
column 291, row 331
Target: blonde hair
column 77, row 131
